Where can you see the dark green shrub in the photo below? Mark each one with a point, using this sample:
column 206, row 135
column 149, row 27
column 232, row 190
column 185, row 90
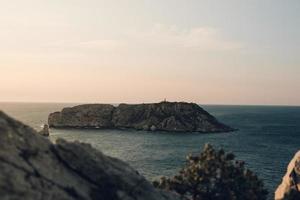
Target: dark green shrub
column 215, row 175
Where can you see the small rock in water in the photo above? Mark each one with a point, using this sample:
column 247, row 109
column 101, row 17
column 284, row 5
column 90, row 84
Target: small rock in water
column 153, row 128
column 45, row 131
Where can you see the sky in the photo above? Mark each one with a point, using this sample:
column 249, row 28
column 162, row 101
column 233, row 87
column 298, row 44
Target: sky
column 135, row 51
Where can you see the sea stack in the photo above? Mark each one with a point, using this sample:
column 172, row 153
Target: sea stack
column 163, row 116
column 45, row 131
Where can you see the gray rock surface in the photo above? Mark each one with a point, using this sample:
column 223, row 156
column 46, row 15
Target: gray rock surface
column 33, row 168
column 163, row 116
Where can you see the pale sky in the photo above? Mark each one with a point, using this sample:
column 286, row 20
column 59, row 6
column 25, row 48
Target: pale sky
column 112, row 51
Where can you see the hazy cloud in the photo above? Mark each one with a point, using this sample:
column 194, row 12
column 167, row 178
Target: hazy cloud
column 202, row 38
column 103, row 44
column 162, row 36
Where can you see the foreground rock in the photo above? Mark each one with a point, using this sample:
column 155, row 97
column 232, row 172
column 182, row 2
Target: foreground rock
column 290, row 185
column 31, row 167
column 164, row 116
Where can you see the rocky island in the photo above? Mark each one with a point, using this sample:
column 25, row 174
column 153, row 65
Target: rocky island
column 163, row 116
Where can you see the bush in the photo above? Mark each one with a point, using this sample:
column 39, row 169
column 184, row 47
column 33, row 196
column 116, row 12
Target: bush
column 215, row 175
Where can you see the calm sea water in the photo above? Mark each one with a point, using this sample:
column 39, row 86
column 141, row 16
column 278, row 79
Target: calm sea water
column 267, row 139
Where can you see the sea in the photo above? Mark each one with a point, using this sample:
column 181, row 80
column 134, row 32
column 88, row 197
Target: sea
column 267, row 139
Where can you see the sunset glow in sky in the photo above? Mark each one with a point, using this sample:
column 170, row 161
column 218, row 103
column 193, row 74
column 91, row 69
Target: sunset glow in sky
column 204, row 51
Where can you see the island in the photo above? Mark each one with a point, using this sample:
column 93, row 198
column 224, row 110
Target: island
column 162, row 116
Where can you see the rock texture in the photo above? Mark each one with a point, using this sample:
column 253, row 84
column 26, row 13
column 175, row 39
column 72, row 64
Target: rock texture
column 33, row 168
column 163, row 116
column 289, row 185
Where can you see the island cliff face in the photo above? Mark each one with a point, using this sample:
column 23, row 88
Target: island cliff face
column 163, row 116
column 32, row 167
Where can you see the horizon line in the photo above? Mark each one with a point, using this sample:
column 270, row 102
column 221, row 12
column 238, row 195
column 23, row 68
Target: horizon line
column 205, row 104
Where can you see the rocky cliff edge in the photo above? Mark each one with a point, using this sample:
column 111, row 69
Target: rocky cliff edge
column 31, row 167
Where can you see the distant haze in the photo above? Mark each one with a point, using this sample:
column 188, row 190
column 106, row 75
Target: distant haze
column 204, row 51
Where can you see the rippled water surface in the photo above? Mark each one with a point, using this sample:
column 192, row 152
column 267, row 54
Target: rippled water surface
column 267, row 139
